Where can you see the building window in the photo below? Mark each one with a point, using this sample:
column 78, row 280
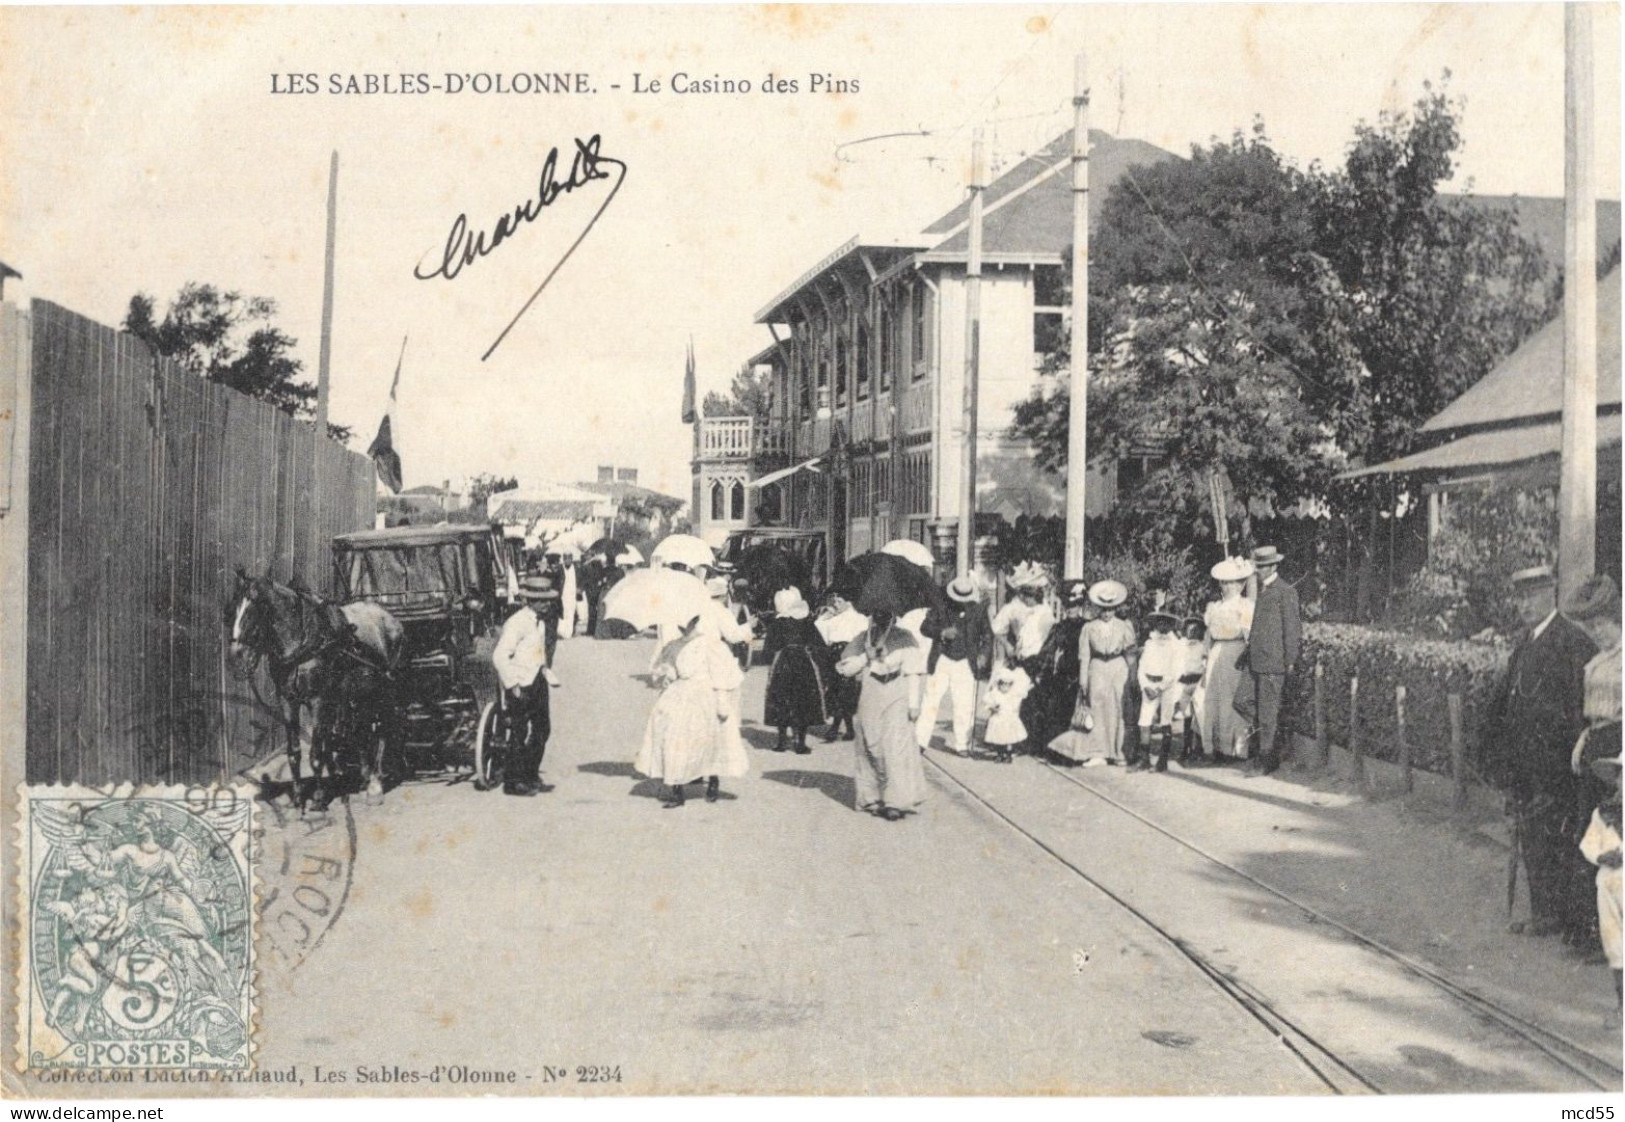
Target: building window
column 914, row 487
column 860, row 489
column 1049, row 311
column 886, row 324
column 843, row 360
column 919, row 313
column 770, row 505
column 802, row 375
column 719, row 512
column 863, row 364
column 736, row 502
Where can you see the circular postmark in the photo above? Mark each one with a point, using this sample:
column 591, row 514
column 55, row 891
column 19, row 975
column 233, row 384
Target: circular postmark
column 307, row 864
column 304, row 860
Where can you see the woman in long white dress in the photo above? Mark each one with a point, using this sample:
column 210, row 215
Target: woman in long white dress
column 1229, row 620
column 692, row 731
column 1104, row 648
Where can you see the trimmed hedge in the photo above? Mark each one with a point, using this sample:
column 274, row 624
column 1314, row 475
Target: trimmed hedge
column 1429, row 669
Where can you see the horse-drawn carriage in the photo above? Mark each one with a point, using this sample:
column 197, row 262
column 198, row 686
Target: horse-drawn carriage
column 450, row 587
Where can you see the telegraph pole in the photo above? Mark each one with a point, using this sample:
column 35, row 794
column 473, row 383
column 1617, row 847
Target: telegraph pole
column 1077, row 431
column 1577, row 494
column 323, row 362
column 326, row 353
column 973, row 347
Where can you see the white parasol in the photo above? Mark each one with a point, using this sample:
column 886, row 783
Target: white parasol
column 911, row 551
column 684, row 549
column 656, row 597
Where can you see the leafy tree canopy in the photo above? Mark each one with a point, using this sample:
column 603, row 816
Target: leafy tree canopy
column 231, row 339
column 749, row 395
column 1269, row 325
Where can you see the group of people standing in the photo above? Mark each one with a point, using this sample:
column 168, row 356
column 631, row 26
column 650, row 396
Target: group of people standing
column 1093, row 689
column 1079, row 683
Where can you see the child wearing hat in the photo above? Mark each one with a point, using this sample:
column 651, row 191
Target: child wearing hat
column 795, row 680
column 1161, row 666
column 1005, row 730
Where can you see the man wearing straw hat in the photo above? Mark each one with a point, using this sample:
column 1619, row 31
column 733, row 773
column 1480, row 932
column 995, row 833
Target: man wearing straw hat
column 961, row 656
column 520, row 660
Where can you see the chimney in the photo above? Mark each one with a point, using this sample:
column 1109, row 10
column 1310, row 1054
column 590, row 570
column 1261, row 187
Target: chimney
column 628, row 475
column 606, row 474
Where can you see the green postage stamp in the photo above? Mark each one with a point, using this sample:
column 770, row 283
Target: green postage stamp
column 137, row 946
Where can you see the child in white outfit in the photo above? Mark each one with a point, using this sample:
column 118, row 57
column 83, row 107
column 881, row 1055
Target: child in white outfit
column 1011, row 685
column 1601, row 846
column 1162, row 663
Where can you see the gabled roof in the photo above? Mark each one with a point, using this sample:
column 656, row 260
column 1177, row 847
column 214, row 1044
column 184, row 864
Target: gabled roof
column 620, row 492
column 1528, row 383
column 1490, row 450
column 850, row 254
column 553, row 510
column 1027, row 211
column 1540, row 219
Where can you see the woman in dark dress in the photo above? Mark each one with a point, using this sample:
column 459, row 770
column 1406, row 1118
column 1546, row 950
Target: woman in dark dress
column 838, row 625
column 1062, row 666
column 796, row 680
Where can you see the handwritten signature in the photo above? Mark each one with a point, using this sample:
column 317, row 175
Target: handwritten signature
column 464, row 249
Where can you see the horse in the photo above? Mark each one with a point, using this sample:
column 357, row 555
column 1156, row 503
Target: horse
column 341, row 661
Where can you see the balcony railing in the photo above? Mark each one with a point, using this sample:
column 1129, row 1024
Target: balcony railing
column 740, row 438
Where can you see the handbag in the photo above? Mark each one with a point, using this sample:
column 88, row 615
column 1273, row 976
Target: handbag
column 1083, row 718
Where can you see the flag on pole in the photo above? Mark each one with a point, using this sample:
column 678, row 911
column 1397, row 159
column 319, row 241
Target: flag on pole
column 689, row 413
column 385, row 459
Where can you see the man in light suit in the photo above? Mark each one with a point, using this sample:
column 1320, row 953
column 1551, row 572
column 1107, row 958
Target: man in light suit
column 521, row 663
column 1272, row 652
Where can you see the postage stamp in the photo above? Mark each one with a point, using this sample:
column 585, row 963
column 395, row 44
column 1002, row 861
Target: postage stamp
column 138, row 925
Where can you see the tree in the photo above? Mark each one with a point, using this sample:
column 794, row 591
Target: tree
column 484, row 485
column 1436, row 290
column 749, row 395
column 231, row 339
column 1213, row 344
column 1270, row 325
column 481, row 487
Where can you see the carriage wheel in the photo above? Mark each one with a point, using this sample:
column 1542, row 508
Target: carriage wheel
column 491, row 747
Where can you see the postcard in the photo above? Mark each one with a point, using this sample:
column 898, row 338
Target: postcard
column 810, row 550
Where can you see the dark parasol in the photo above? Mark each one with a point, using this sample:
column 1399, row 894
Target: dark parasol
column 881, row 582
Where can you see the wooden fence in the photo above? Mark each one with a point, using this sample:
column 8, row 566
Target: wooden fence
column 147, row 487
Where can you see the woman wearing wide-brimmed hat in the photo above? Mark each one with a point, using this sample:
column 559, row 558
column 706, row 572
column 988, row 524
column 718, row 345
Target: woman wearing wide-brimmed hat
column 1022, row 628
column 1229, row 620
column 1104, row 648
column 795, row 680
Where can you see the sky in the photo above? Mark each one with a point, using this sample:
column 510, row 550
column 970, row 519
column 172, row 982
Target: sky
column 146, row 148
